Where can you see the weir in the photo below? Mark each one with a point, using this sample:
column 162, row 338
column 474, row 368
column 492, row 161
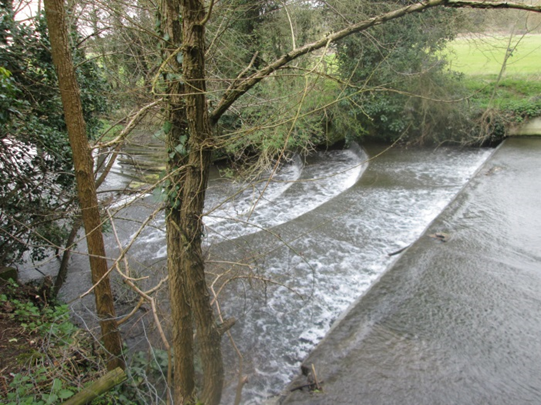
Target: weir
column 456, row 319
column 324, row 236
column 325, row 230
column 530, row 127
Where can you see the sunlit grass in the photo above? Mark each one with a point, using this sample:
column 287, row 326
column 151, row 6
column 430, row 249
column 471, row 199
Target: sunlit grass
column 484, row 55
column 480, row 59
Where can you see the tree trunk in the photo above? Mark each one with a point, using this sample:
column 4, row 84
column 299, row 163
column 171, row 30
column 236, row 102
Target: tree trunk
column 181, row 312
column 84, row 174
column 189, row 148
column 195, row 185
column 64, row 264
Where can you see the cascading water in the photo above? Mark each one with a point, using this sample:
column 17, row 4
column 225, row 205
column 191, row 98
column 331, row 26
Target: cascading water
column 327, row 257
column 319, row 234
column 236, row 209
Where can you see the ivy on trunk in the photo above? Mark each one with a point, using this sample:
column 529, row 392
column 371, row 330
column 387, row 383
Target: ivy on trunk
column 189, row 149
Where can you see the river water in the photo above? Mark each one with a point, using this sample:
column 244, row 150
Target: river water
column 297, row 248
column 454, row 322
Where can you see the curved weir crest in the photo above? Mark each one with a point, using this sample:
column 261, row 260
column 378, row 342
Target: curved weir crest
column 245, row 209
column 333, row 224
column 288, row 195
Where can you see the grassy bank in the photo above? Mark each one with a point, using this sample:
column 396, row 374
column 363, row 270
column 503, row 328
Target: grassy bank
column 511, row 94
column 518, row 95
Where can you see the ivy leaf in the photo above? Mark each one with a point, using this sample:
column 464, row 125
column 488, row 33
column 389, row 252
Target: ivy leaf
column 57, row 384
column 65, row 394
column 167, row 127
column 181, row 149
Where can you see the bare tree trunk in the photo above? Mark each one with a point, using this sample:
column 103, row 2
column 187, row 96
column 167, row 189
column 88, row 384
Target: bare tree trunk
column 84, row 174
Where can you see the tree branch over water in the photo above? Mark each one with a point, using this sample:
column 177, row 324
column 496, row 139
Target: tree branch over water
column 235, row 92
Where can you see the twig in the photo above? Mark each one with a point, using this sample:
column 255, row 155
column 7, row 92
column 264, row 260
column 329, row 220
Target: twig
column 129, row 281
column 122, row 251
column 398, row 251
column 318, row 387
column 300, row 387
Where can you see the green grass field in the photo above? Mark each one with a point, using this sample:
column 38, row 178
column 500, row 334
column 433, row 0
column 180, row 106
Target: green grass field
column 483, row 55
column 480, row 58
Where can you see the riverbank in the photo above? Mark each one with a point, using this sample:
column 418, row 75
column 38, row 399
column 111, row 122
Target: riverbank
column 456, row 318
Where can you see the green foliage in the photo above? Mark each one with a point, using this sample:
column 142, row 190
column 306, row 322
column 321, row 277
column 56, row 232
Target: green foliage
column 44, row 320
column 37, row 188
column 288, row 112
column 8, row 92
column 61, row 359
column 145, row 369
column 296, row 122
column 23, row 389
column 252, row 33
column 522, row 109
column 43, row 382
column 126, row 50
column 52, row 321
column 498, row 106
column 516, row 95
column 396, row 77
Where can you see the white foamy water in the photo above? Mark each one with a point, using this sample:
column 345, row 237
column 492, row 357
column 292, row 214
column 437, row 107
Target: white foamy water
column 300, row 190
column 338, row 221
column 241, row 209
column 343, row 248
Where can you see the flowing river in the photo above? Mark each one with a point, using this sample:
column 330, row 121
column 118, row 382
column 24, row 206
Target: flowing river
column 296, row 248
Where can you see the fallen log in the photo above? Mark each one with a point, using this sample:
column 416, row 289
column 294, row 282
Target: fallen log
column 100, row 386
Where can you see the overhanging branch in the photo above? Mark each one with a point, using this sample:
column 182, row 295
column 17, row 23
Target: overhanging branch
column 235, row 92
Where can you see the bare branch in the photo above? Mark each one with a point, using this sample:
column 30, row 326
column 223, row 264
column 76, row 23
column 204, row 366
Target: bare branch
column 209, row 13
column 235, row 93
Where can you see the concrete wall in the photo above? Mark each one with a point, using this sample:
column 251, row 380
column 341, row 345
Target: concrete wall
column 530, row 127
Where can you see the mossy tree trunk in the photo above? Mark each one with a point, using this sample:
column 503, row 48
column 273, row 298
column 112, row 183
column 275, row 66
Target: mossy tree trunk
column 84, row 174
column 189, row 137
column 177, row 133
column 195, row 184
